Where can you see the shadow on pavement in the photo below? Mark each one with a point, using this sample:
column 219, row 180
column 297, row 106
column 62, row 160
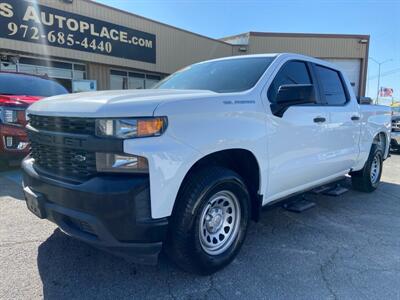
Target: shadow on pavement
column 72, row 269
column 286, row 255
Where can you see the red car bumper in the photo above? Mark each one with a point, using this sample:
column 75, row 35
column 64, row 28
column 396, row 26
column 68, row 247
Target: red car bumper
column 13, row 142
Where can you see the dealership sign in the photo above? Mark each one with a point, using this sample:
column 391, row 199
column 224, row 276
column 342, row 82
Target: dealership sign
column 27, row 21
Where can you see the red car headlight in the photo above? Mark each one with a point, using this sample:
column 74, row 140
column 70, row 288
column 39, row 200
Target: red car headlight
column 12, row 116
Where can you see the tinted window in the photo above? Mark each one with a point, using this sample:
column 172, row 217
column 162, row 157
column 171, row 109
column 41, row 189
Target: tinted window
column 332, row 86
column 293, row 72
column 223, row 76
column 17, row 84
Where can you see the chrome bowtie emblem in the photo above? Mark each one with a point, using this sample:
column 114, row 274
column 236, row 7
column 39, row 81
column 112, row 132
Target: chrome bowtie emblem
column 79, row 158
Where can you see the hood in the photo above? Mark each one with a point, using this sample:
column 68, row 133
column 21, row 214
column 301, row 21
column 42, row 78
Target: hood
column 16, row 100
column 121, row 103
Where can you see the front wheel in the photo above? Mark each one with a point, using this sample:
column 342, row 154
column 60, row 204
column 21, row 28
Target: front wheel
column 368, row 179
column 209, row 222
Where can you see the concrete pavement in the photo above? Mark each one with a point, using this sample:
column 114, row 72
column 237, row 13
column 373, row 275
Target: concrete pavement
column 347, row 247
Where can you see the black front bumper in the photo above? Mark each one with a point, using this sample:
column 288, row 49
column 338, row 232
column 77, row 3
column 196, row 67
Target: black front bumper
column 395, row 140
column 111, row 212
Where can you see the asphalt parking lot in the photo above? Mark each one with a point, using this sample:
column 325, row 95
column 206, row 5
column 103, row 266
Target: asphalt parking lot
column 347, row 247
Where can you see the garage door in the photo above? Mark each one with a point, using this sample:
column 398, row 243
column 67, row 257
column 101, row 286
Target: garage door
column 352, row 69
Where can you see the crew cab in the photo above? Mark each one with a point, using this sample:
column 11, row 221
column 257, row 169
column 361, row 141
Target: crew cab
column 17, row 92
column 187, row 165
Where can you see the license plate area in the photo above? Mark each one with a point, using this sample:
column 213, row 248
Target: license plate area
column 35, row 203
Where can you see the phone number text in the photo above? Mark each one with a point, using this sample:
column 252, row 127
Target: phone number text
column 55, row 37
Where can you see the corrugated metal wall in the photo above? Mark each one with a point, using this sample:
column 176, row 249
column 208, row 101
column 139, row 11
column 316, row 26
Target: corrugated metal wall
column 101, row 73
column 313, row 46
column 328, row 46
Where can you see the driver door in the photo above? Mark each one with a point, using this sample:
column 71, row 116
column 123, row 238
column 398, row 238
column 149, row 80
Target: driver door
column 298, row 146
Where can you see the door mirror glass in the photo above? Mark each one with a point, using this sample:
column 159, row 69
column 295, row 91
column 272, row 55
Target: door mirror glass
column 293, row 94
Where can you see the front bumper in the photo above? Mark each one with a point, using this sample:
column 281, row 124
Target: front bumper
column 395, row 140
column 111, row 212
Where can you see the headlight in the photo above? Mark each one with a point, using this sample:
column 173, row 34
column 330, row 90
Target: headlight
column 109, row 162
column 131, row 128
column 11, row 116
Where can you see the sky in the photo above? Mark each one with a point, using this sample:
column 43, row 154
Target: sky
column 220, row 18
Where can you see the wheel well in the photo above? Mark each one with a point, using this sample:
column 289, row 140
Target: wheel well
column 380, row 139
column 240, row 161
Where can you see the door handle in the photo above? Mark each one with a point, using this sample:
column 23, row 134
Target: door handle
column 355, row 118
column 319, row 120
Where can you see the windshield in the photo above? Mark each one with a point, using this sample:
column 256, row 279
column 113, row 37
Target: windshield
column 221, row 76
column 23, row 85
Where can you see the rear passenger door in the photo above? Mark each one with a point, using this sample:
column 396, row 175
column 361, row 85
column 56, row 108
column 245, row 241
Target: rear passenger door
column 343, row 130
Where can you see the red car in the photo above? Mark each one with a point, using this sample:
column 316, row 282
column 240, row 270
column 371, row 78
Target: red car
column 17, row 92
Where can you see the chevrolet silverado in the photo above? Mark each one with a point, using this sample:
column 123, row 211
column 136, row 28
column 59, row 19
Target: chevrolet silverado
column 185, row 166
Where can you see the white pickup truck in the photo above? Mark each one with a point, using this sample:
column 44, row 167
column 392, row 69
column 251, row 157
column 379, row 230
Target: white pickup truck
column 185, row 166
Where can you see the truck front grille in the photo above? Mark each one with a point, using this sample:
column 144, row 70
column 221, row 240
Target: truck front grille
column 63, row 124
column 58, row 159
column 396, row 125
column 64, row 162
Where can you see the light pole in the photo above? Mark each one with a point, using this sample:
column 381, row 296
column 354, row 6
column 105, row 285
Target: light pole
column 379, row 73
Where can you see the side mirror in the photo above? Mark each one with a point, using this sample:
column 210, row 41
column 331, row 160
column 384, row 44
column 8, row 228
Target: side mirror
column 364, row 100
column 292, row 94
column 295, row 94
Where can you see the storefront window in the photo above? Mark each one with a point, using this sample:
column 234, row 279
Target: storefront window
column 151, row 80
column 118, row 80
column 63, row 72
column 132, row 80
column 136, row 81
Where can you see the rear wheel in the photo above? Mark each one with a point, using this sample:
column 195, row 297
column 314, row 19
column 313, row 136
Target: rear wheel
column 209, row 222
column 368, row 179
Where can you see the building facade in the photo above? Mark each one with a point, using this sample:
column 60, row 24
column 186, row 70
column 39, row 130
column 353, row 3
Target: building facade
column 81, row 40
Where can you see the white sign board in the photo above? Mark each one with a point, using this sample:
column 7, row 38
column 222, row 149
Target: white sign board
column 80, row 86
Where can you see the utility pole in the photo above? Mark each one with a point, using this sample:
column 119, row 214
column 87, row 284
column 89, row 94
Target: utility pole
column 379, row 82
column 379, row 74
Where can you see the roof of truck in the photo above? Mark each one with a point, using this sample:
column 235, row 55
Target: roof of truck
column 282, row 55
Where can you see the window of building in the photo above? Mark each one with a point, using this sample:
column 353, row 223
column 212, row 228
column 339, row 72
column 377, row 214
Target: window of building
column 332, row 86
column 118, row 80
column 61, row 71
column 293, row 72
column 137, row 81
column 122, row 80
column 152, row 80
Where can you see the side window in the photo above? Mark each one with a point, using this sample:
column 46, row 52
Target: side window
column 293, row 72
column 332, row 86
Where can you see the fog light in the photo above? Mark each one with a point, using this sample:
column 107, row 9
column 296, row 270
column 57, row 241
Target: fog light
column 110, row 162
column 9, row 141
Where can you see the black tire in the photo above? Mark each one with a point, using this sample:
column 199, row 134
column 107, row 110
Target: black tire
column 185, row 245
column 362, row 180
